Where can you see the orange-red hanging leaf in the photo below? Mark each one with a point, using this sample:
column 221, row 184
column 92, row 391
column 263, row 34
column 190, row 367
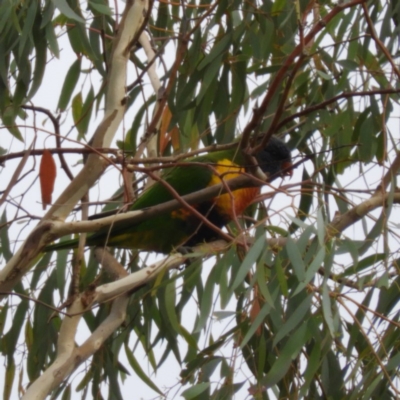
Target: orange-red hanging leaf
column 47, row 176
column 165, row 137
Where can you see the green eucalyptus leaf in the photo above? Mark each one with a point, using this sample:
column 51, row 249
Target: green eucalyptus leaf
column 65, row 9
column 69, row 84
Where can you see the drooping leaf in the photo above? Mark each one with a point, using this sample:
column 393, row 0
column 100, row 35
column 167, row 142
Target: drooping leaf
column 69, row 84
column 195, row 391
column 47, row 177
column 65, row 9
column 139, row 371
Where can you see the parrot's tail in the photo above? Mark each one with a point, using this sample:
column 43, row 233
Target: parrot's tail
column 67, row 244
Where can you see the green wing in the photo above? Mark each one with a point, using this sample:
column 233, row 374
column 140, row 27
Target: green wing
column 164, row 232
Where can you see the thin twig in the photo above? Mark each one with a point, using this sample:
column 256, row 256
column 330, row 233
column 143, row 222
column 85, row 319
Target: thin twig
column 56, row 124
column 344, row 95
column 383, row 48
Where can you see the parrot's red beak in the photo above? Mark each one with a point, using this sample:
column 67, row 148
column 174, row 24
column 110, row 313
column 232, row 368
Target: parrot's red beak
column 287, row 168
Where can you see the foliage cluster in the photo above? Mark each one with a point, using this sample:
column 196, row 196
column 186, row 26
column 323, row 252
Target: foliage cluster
column 313, row 313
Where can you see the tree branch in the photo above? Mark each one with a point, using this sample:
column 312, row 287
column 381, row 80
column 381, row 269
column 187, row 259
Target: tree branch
column 119, row 221
column 342, row 222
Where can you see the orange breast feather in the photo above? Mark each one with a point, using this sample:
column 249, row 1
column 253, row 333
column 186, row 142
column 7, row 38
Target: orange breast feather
column 236, row 202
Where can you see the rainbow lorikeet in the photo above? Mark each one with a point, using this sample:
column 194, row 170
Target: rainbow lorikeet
column 172, row 230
